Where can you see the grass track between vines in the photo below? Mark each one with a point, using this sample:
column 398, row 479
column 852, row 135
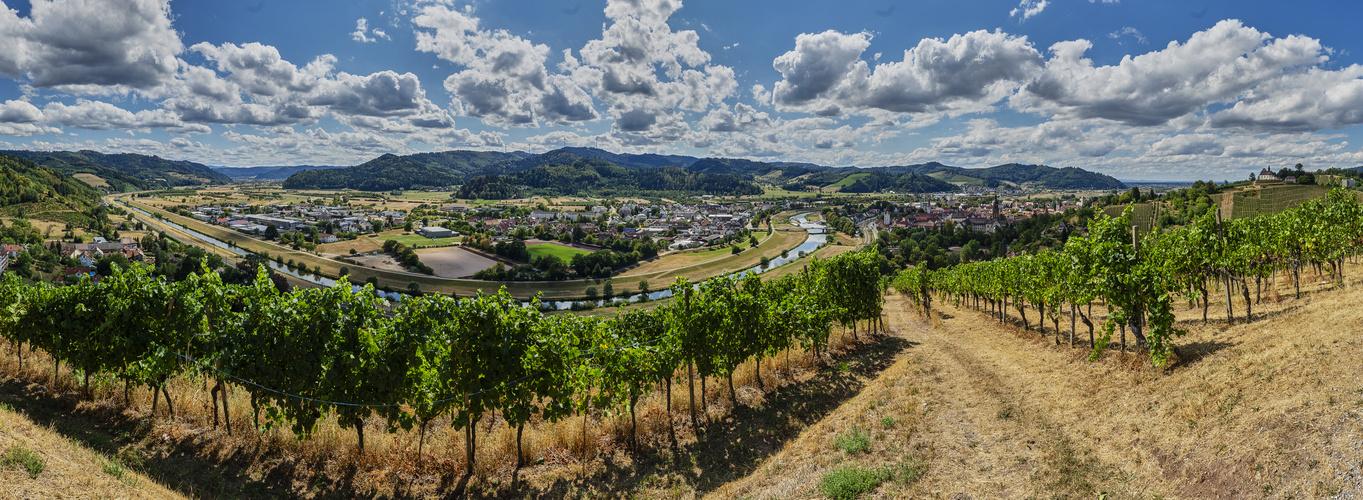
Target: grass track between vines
column 1273, row 407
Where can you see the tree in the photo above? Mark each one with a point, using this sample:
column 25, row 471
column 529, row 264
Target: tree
column 591, row 293
column 970, row 251
column 414, row 287
column 345, row 271
column 271, row 232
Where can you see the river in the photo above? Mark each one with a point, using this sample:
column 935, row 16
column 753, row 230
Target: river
column 816, row 239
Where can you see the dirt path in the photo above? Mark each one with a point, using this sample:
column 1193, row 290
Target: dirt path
column 1268, row 408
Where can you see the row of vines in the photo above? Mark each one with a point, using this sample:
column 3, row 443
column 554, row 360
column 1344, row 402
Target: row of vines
column 1138, row 276
column 310, row 353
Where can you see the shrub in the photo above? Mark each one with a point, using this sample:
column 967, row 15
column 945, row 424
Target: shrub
column 853, row 442
column 30, row 461
column 851, row 480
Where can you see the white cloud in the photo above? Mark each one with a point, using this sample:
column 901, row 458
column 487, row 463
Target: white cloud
column 742, row 118
column 19, row 112
column 261, row 71
column 361, row 33
column 90, row 46
column 1188, row 144
column 1029, row 8
column 1217, row 65
column 382, row 94
column 99, row 115
column 825, row 74
column 505, row 81
column 649, row 75
column 1297, row 102
column 1129, row 31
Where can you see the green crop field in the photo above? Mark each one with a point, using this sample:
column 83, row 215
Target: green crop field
column 416, row 240
column 957, row 179
column 560, row 251
column 847, row 181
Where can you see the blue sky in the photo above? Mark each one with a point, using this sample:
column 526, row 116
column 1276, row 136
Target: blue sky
column 1142, row 90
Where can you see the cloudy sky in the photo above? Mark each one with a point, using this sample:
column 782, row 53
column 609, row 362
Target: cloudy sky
column 1140, row 89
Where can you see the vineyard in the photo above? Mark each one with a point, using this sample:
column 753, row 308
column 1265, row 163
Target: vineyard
column 313, row 355
column 1138, row 276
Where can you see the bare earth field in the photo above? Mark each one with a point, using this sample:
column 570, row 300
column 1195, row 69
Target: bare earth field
column 454, row 262
column 381, row 261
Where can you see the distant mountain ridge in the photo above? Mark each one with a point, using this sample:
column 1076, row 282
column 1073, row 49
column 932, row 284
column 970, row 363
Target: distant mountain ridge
column 275, row 173
column 452, row 168
column 125, row 171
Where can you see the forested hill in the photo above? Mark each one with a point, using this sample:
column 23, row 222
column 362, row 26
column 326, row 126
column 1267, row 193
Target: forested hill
column 126, row 171
column 23, row 182
column 603, row 178
column 453, row 168
column 416, row 171
column 878, row 181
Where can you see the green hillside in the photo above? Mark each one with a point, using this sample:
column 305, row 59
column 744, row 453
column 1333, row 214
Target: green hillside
column 28, row 190
column 847, row 181
column 390, row 171
column 877, row 181
column 602, row 178
column 126, row 171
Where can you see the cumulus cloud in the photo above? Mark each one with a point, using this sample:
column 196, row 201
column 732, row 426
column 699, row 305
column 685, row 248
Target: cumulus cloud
column 1313, row 100
column 1216, row 65
column 99, row 115
column 826, row 74
column 254, row 85
column 383, row 94
column 504, row 81
column 19, row 112
column 649, row 75
column 742, row 118
column 90, row 45
column 261, row 71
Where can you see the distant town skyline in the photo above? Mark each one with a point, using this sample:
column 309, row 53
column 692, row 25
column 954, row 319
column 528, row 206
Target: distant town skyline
column 1154, row 90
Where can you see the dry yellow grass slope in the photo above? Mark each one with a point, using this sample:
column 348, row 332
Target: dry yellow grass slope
column 1273, row 407
column 64, row 468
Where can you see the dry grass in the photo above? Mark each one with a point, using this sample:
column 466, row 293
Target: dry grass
column 91, row 179
column 1268, row 408
column 68, row 468
column 189, row 453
